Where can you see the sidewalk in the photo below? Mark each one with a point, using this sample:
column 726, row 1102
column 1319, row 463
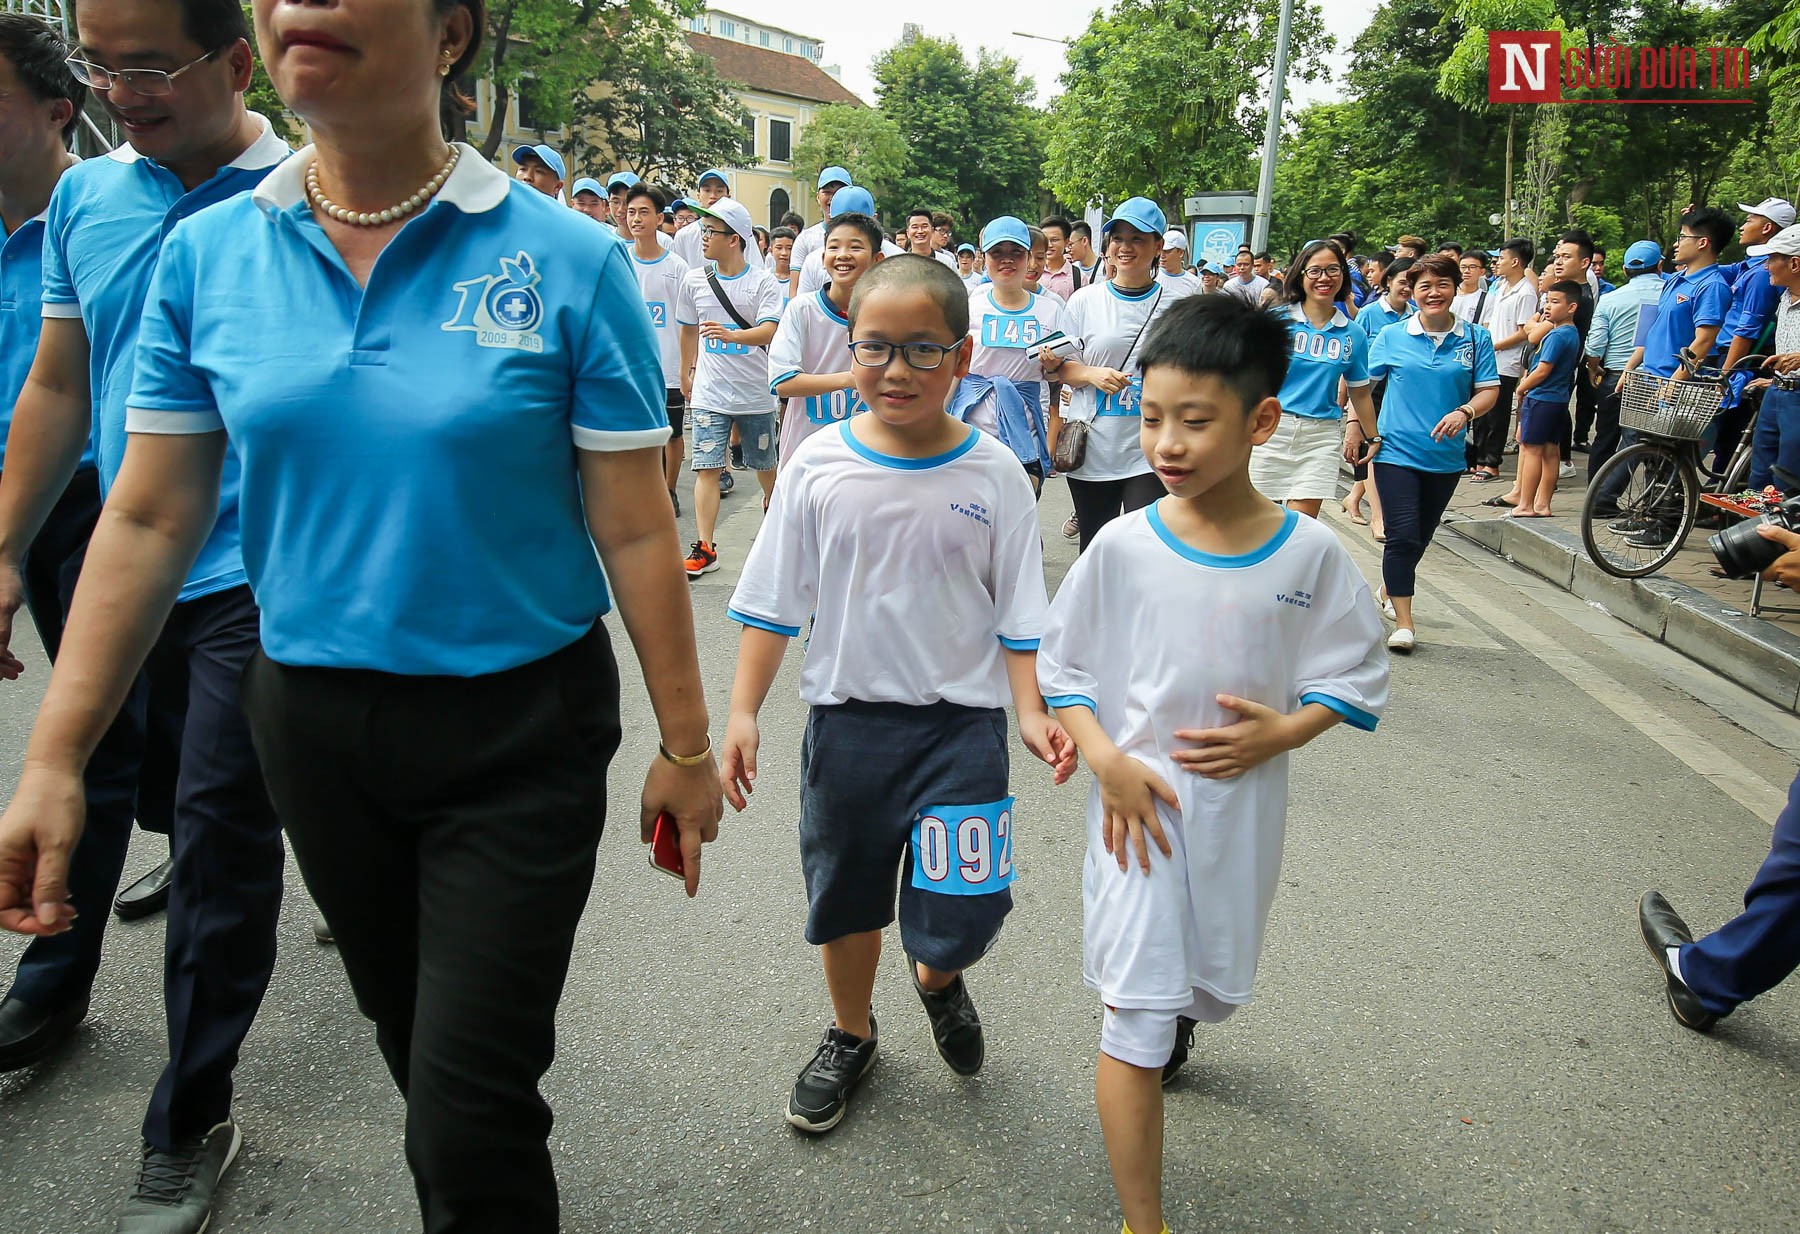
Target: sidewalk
column 1705, row 618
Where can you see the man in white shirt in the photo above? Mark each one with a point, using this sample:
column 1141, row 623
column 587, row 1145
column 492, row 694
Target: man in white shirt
column 1511, row 303
column 1175, row 275
column 812, row 239
column 1244, row 283
column 688, row 242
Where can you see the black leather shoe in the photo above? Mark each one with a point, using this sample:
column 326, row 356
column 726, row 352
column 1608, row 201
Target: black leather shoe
column 1662, row 928
column 146, row 897
column 28, row 1034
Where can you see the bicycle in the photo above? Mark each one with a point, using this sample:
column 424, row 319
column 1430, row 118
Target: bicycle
column 1658, row 477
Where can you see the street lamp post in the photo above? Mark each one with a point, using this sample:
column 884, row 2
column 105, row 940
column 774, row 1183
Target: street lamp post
column 1265, row 189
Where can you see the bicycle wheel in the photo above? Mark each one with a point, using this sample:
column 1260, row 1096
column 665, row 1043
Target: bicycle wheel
column 1659, row 491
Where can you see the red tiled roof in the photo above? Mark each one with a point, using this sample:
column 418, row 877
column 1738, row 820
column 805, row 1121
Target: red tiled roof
column 772, row 72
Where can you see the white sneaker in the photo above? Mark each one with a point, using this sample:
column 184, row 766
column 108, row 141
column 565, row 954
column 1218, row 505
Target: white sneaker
column 1402, row 641
column 1566, row 471
column 1387, row 605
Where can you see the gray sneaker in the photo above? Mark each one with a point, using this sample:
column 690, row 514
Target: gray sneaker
column 174, row 1190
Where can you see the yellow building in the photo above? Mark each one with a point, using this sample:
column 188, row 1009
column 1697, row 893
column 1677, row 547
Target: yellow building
column 775, row 74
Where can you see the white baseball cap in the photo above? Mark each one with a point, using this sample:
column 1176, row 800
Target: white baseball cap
column 1785, row 243
column 735, row 215
column 1778, row 210
column 1175, row 238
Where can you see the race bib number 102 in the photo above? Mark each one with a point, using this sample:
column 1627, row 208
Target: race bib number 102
column 964, row 850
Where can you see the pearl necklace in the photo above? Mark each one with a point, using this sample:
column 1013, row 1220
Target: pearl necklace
column 378, row 218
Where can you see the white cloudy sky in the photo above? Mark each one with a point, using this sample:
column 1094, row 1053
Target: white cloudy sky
column 853, row 37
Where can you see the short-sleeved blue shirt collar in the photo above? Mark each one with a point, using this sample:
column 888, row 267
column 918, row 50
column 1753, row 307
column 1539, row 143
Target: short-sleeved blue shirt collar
column 1338, row 320
column 1415, row 326
column 473, row 186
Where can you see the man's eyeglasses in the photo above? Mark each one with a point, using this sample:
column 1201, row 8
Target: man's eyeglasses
column 147, row 82
column 718, row 231
column 1687, row 235
column 921, row 356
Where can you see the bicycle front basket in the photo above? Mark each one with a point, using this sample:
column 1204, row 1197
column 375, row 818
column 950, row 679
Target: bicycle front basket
column 1658, row 407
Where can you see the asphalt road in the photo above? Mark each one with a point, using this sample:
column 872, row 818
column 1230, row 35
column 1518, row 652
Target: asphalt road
column 1455, row 1028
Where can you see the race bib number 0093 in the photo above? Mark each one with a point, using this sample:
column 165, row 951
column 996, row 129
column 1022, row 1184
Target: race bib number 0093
column 963, row 850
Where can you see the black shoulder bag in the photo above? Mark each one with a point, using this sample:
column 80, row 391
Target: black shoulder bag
column 718, row 288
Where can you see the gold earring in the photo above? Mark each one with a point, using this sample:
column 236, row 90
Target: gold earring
column 444, row 68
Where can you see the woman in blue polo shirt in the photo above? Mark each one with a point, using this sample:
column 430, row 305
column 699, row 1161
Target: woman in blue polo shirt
column 1299, row 464
column 444, row 393
column 1441, row 378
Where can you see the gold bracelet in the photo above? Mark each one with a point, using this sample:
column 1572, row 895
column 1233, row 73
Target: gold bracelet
column 689, row 760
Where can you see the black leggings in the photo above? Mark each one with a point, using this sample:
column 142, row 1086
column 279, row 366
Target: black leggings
column 1099, row 502
column 1412, row 504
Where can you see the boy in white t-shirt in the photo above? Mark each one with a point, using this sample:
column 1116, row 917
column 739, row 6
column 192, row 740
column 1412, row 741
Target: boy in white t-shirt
column 1193, row 645
column 910, row 541
column 809, row 361
column 724, row 364
column 660, row 274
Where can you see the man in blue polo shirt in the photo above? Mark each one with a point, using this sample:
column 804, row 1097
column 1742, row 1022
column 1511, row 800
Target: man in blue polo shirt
column 1753, row 300
column 176, row 92
column 1689, row 314
column 1612, row 339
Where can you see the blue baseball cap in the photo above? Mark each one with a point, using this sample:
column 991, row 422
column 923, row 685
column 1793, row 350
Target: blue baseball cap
column 713, row 173
column 965, row 247
column 853, row 200
column 1643, row 255
column 689, row 202
column 1005, row 230
column 545, row 154
column 621, row 179
column 587, row 184
column 834, row 175
column 1208, row 267
column 1141, row 213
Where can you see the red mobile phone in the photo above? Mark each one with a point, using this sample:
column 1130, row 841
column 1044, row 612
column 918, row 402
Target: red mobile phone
column 665, row 846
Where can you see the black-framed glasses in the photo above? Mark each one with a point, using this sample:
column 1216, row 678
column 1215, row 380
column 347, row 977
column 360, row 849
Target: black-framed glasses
column 921, row 356
column 148, row 82
column 1322, row 272
column 718, row 231
column 1687, row 235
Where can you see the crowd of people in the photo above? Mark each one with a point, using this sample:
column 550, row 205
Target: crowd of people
column 316, row 462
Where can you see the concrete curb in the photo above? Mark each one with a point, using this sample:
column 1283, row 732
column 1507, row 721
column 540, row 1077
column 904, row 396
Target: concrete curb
column 1761, row 657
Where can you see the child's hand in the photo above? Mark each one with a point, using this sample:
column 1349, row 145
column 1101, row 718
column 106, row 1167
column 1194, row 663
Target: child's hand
column 1225, row 753
column 737, row 770
column 1128, row 792
column 1047, row 739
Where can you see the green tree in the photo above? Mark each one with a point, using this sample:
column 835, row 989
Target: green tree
column 973, row 138
column 661, row 108
column 865, row 142
column 1163, row 97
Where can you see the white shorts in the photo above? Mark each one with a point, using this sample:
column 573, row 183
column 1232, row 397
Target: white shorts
column 1300, row 462
column 1145, row 1036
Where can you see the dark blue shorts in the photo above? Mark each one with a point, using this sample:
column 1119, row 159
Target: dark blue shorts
column 1543, row 422
column 866, row 772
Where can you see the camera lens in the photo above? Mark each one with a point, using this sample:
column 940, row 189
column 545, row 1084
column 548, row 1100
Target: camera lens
column 1741, row 552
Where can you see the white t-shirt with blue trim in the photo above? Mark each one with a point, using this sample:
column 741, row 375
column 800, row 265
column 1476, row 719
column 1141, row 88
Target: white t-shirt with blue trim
column 1107, row 320
column 1146, row 632
column 812, row 338
column 730, row 378
column 916, row 573
column 660, row 282
column 410, row 501
column 1003, row 335
column 1318, row 356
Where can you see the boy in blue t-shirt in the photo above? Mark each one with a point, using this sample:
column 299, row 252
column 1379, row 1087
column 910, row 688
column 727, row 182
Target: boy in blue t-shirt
column 1544, row 394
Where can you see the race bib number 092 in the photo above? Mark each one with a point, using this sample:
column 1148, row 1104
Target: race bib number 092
column 963, row 850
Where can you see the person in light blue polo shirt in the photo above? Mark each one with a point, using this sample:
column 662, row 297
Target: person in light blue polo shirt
column 1611, row 340
column 446, row 396
column 1298, row 465
column 1441, row 377
column 176, row 91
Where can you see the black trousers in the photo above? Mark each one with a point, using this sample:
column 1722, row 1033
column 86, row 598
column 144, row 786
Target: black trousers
column 123, row 779
column 446, row 827
column 1412, row 505
column 1587, row 405
column 1099, row 502
column 1605, row 442
column 1487, row 439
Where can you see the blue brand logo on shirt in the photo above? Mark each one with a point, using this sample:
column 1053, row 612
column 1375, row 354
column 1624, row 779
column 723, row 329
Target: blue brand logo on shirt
column 973, row 510
column 1299, row 599
column 502, row 310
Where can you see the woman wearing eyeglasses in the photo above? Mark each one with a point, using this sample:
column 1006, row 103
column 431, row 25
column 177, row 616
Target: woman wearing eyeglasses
column 1111, row 319
column 463, row 402
column 1299, row 464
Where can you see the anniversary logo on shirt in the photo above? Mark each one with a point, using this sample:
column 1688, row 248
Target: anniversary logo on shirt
column 502, row 310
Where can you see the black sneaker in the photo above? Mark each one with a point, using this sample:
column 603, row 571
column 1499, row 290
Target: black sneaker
column 1654, row 535
column 1630, row 525
column 822, row 1093
column 1184, row 1044
column 726, row 483
column 174, row 1190
column 955, row 1027
column 737, row 457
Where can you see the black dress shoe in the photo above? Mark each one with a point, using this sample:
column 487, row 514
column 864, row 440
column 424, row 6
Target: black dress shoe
column 1662, row 929
column 147, row 896
column 28, row 1034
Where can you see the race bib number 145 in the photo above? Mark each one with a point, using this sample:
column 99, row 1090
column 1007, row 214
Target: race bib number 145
column 963, row 850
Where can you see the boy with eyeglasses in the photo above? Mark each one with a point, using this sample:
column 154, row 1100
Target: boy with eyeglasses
column 910, row 542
